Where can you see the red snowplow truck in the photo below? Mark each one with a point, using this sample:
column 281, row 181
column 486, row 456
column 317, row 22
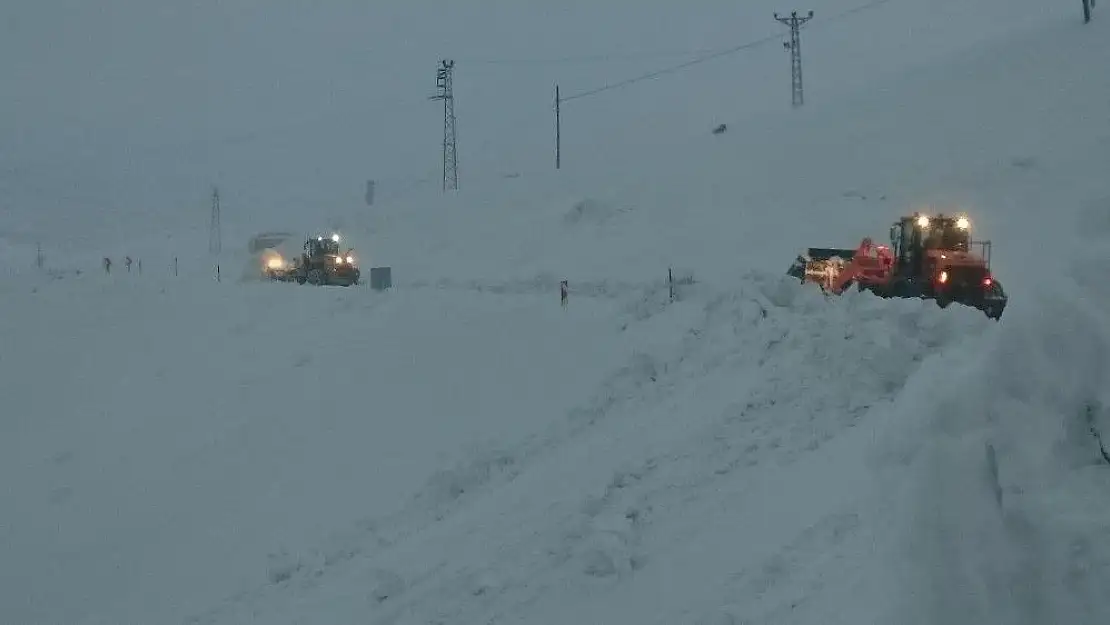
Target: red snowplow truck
column 930, row 257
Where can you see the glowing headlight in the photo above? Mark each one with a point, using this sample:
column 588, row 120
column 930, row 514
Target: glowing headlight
column 339, row 260
column 962, row 223
column 943, row 277
column 275, row 263
column 351, row 259
column 923, row 221
column 335, row 237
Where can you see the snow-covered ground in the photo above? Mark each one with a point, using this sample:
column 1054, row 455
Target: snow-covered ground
column 462, row 449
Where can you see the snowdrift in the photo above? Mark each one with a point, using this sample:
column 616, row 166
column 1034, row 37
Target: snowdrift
column 1007, row 462
column 730, row 397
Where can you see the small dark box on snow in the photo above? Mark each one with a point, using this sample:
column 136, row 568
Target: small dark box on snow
column 381, row 278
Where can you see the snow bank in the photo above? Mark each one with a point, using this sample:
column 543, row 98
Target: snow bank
column 739, row 410
column 1003, row 454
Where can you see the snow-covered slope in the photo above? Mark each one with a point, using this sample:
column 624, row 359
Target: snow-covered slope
column 464, row 450
column 1004, row 471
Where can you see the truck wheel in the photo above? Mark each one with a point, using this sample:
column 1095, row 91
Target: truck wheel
column 900, row 289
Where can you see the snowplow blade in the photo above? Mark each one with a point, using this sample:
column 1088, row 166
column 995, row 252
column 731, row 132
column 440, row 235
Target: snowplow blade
column 344, row 279
column 817, row 264
column 825, row 253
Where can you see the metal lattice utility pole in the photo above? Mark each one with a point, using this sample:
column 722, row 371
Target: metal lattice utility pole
column 215, row 241
column 795, row 47
column 445, row 85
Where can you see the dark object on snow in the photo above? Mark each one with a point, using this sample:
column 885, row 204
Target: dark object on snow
column 1093, row 427
column 720, row 130
column 381, row 278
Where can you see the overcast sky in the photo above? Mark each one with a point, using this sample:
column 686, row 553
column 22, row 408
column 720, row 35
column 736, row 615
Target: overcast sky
column 124, row 99
column 192, row 69
column 118, row 101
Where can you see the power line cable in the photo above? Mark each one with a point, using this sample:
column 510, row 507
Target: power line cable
column 673, row 68
column 604, row 57
column 860, row 9
column 594, row 58
column 718, row 54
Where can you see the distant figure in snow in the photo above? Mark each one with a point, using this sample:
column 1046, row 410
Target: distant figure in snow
column 127, row 262
column 107, row 265
column 563, row 289
column 720, row 130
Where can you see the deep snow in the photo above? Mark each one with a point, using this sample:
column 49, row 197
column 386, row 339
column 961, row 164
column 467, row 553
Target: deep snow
column 463, row 450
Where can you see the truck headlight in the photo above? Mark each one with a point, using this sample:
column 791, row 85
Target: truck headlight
column 962, row 223
column 351, row 260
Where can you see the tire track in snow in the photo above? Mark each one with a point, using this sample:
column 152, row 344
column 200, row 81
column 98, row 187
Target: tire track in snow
column 793, row 567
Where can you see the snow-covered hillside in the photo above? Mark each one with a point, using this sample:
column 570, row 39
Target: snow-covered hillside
column 462, row 449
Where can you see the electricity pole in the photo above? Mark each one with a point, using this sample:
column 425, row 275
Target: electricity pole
column 445, row 86
column 795, row 47
column 558, row 131
column 215, row 242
